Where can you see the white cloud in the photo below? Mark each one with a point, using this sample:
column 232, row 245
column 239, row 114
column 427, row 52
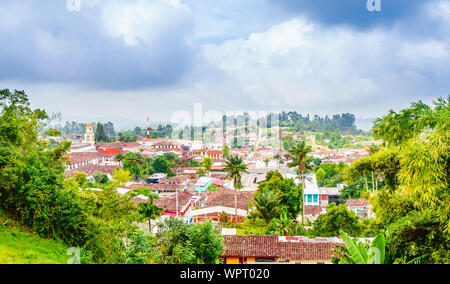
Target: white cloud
column 144, row 21
column 299, row 65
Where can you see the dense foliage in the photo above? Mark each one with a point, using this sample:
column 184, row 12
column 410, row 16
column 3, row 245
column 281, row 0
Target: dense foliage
column 412, row 205
column 337, row 218
column 34, row 190
column 177, row 243
column 343, row 123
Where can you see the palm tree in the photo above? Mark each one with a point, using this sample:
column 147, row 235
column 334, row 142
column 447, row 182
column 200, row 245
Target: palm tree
column 266, row 161
column 267, row 205
column 235, row 167
column 298, row 152
column 283, row 225
column 279, row 158
column 149, row 211
column 119, row 158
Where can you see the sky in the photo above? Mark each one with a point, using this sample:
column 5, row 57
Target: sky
column 124, row 60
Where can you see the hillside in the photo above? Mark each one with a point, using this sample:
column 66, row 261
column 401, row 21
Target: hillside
column 25, row 248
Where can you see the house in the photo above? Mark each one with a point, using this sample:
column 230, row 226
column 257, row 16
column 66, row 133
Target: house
column 166, row 145
column 82, row 147
column 157, row 178
column 329, row 195
column 213, row 213
column 361, row 207
column 159, row 188
column 311, row 191
column 79, row 159
column 114, row 148
column 241, row 249
column 179, row 180
column 185, row 200
column 203, row 183
column 223, row 201
column 215, row 154
column 205, row 153
column 139, row 199
column 311, row 212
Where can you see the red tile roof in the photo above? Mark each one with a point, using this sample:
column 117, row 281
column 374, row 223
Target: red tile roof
column 79, row 157
column 313, row 210
column 251, row 246
column 156, row 186
column 225, row 198
column 169, row 203
column 293, row 249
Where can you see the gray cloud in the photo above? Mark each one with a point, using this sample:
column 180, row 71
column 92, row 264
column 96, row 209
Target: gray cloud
column 139, row 58
column 108, row 44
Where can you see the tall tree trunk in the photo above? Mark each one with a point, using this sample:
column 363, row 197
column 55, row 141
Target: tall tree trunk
column 303, row 197
column 366, row 183
column 235, row 202
column 373, row 182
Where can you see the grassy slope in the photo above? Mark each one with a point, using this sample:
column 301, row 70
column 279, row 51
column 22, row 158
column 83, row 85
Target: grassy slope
column 25, row 248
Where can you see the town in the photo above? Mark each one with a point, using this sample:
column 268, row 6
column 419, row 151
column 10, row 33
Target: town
column 193, row 185
column 236, row 135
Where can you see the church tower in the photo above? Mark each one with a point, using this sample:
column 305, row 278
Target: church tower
column 89, row 136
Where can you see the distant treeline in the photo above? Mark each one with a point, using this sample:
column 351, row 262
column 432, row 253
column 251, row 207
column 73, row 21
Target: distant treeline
column 105, row 132
column 343, row 122
column 133, row 134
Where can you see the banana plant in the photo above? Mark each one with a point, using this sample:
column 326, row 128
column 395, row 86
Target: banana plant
column 359, row 253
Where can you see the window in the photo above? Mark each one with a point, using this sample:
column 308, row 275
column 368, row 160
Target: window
column 309, row 198
column 316, row 198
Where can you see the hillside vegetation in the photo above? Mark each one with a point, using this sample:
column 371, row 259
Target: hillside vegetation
column 24, row 248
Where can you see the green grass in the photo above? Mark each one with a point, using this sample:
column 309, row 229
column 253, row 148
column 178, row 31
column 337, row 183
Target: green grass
column 251, row 227
column 25, row 248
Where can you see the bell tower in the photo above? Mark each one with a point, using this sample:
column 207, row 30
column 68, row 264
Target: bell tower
column 89, row 136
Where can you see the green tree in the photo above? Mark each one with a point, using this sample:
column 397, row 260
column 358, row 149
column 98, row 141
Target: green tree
column 226, row 151
column 182, row 243
column 360, row 253
column 100, row 135
column 207, row 242
column 298, row 152
column 207, row 163
column 289, row 194
column 119, row 158
column 135, row 164
column 149, row 211
column 121, row 176
column 161, row 165
column 81, row 179
column 337, row 218
column 267, row 205
column 412, row 203
column 320, row 175
column 100, row 178
column 235, row 167
column 285, row 226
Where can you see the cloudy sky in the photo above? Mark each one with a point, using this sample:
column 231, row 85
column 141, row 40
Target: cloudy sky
column 124, row 60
